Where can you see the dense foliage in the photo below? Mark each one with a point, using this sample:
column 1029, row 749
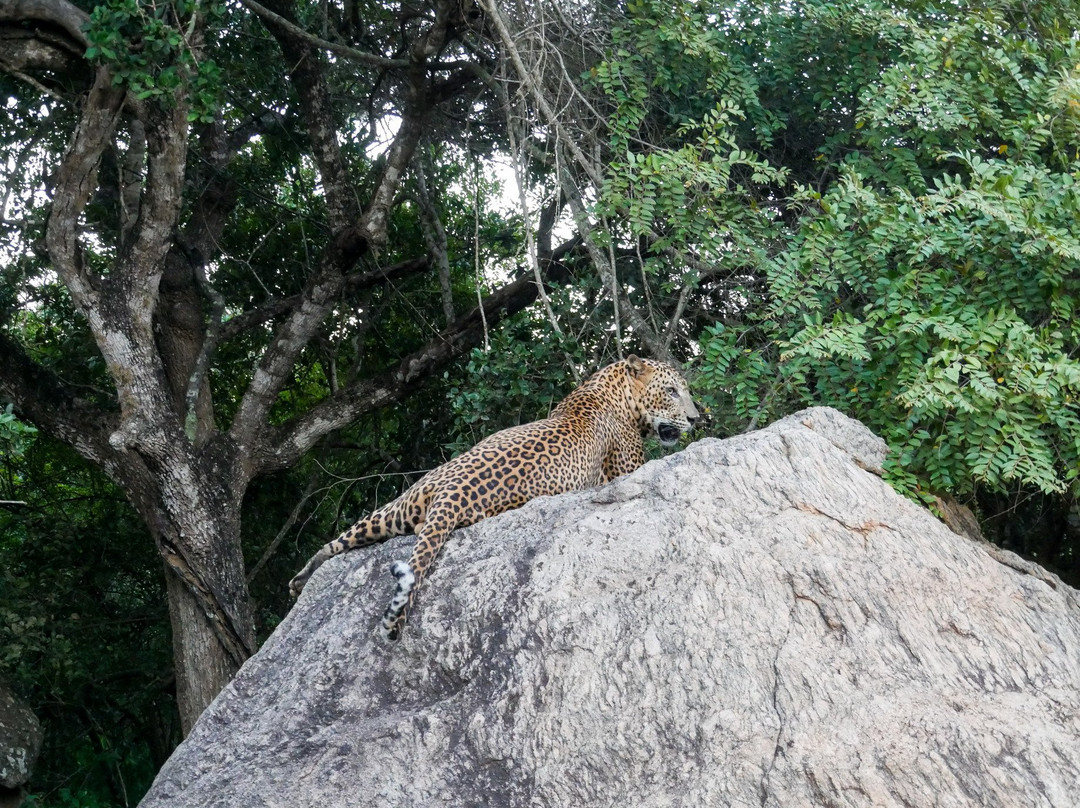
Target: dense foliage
column 83, row 627
column 868, row 205
column 893, row 188
column 932, row 282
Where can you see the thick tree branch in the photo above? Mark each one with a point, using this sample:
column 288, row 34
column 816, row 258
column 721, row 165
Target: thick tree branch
column 353, row 283
column 43, row 60
column 43, row 399
column 236, row 640
column 159, row 205
column 52, row 12
column 345, row 248
column 277, row 361
column 273, row 19
column 372, row 223
column 287, row 444
column 75, row 181
column 348, row 244
column 313, row 97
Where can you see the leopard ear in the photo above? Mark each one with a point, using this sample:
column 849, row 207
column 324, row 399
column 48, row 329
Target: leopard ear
column 637, row 367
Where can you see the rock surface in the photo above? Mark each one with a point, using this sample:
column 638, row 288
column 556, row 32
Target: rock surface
column 758, row 621
column 20, row 740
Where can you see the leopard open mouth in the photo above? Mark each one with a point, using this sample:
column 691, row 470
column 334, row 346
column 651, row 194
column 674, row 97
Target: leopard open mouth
column 668, row 434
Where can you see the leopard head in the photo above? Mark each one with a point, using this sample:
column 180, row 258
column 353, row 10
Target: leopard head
column 662, row 398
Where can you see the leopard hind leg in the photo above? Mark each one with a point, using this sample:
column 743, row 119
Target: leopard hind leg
column 431, row 537
column 391, row 520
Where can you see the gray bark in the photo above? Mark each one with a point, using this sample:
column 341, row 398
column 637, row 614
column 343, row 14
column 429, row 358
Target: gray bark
column 20, row 741
column 757, row 621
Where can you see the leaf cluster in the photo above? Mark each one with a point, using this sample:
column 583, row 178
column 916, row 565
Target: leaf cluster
column 148, row 48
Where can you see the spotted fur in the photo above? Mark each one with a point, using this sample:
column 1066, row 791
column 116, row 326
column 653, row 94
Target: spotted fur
column 593, row 436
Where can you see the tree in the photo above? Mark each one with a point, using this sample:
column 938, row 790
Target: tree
column 172, row 142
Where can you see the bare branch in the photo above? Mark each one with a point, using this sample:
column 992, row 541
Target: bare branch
column 677, row 315
column 626, row 310
column 517, row 154
column 294, row 514
column 529, row 79
column 336, row 48
column 8, row 65
column 476, row 255
column 549, row 87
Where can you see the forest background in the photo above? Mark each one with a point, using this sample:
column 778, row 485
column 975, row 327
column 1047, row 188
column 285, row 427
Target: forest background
column 265, row 264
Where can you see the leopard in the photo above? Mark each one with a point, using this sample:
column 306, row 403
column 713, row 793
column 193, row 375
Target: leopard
column 591, row 437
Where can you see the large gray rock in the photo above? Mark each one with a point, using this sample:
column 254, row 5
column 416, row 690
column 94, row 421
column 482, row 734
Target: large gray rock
column 20, row 740
column 758, row 621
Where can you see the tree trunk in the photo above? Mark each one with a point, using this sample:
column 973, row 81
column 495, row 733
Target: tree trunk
column 190, row 500
column 201, row 665
column 210, row 613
